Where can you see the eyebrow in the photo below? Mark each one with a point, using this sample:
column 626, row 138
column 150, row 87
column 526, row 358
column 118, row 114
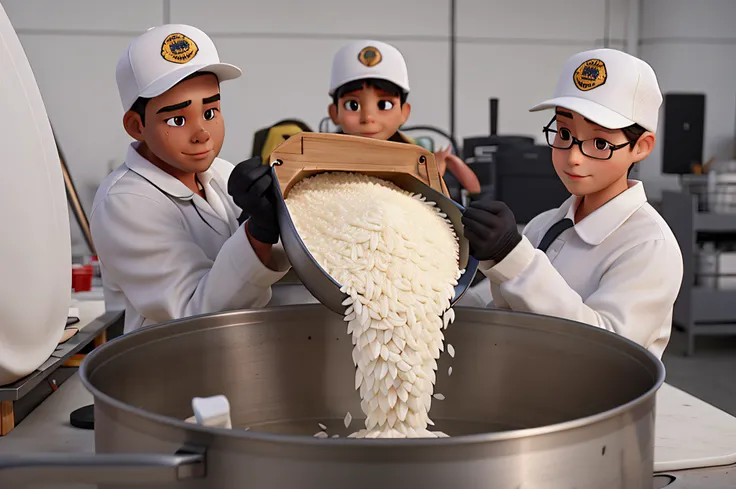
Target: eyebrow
column 172, row 108
column 564, row 114
column 209, row 100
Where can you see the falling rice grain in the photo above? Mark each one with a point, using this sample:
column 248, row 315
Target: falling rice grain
column 399, row 279
column 449, row 371
column 322, row 426
column 439, row 397
column 451, row 350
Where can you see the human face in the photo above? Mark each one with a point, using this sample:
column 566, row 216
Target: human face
column 184, row 129
column 586, row 176
column 370, row 112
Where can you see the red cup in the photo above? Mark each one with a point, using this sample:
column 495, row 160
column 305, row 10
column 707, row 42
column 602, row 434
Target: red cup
column 82, row 278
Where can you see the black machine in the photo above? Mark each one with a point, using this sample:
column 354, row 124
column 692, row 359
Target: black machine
column 684, row 126
column 526, row 180
column 515, row 170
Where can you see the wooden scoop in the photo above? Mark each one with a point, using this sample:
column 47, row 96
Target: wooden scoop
column 307, row 153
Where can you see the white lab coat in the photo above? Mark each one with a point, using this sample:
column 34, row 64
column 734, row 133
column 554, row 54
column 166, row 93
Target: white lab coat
column 167, row 253
column 619, row 269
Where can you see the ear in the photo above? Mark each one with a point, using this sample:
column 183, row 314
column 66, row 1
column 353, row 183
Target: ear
column 332, row 110
column 644, row 146
column 133, row 125
column 405, row 112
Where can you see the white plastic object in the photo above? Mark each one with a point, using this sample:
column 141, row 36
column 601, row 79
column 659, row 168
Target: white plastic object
column 212, row 411
column 35, row 249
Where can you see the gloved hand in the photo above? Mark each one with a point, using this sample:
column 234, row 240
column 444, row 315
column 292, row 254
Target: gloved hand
column 251, row 187
column 490, row 227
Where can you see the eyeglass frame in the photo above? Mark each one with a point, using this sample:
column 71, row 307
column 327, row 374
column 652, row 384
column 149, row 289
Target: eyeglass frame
column 576, row 142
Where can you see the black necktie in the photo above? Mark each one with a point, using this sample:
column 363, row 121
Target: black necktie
column 552, row 233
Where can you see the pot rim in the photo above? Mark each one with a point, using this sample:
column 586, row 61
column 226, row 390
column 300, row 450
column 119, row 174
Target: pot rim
column 160, row 331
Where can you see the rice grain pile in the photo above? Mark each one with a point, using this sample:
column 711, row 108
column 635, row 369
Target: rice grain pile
column 396, row 256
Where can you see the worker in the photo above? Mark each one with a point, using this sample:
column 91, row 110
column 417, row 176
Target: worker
column 166, row 230
column 605, row 257
column 369, row 86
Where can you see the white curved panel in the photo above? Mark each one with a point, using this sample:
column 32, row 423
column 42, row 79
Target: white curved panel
column 35, row 249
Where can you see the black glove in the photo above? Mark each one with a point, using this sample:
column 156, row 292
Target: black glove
column 490, row 227
column 251, row 187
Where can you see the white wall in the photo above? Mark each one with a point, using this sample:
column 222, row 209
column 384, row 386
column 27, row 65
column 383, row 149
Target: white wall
column 691, row 44
column 506, row 49
column 514, row 51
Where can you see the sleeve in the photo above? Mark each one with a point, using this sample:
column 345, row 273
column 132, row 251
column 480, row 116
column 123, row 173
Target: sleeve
column 148, row 253
column 498, row 302
column 634, row 298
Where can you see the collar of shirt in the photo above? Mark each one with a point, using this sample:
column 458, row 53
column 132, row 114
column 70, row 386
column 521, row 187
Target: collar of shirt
column 597, row 226
column 167, row 183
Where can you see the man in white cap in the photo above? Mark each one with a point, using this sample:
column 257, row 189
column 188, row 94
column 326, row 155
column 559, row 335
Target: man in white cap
column 166, row 230
column 605, row 257
column 369, row 85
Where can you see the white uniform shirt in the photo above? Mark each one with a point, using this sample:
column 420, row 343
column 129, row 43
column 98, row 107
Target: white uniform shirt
column 619, row 269
column 167, row 253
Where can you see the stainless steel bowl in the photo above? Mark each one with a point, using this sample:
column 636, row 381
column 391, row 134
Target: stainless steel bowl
column 324, row 288
column 533, row 402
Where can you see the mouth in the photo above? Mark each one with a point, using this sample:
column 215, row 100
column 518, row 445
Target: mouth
column 574, row 177
column 200, row 155
column 369, row 134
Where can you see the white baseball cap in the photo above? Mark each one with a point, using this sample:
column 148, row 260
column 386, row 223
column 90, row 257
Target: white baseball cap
column 162, row 57
column 368, row 59
column 609, row 87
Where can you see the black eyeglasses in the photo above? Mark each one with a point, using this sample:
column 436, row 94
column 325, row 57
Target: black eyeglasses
column 597, row 148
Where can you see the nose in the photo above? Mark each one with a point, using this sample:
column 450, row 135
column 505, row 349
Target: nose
column 201, row 135
column 367, row 115
column 575, row 156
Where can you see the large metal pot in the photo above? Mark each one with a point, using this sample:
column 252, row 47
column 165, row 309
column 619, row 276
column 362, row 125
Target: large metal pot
column 533, row 402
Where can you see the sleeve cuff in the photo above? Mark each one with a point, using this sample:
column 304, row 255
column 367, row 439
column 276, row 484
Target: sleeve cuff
column 512, row 265
column 248, row 263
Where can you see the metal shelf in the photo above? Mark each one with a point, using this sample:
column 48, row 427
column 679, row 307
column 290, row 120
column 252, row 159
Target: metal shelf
column 701, row 311
column 713, row 305
column 714, row 223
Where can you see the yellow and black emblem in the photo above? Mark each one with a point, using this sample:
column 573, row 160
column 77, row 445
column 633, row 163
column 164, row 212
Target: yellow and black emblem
column 178, row 48
column 370, row 56
column 590, row 75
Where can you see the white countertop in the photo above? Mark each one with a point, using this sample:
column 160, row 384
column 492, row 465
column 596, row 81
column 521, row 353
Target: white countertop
column 691, row 433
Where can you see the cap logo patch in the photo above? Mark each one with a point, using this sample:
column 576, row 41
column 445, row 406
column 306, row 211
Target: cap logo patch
column 178, row 48
column 590, row 75
column 370, row 56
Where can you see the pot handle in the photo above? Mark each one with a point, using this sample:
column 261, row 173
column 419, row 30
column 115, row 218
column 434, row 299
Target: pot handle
column 112, row 468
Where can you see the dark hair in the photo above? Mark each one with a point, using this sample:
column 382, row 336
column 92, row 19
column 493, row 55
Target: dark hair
column 632, row 133
column 383, row 85
column 139, row 106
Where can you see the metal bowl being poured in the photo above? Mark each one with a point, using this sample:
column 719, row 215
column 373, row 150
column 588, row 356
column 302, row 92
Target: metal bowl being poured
column 410, row 167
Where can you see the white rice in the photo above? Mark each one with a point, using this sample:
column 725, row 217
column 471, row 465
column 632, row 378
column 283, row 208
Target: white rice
column 396, row 257
column 451, row 350
column 348, row 419
column 322, row 426
column 449, row 371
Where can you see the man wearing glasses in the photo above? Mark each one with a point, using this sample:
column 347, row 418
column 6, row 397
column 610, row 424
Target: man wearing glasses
column 605, row 257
